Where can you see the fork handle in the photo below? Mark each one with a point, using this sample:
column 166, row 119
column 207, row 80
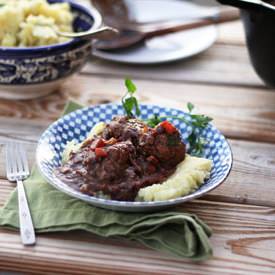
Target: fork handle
column 25, row 219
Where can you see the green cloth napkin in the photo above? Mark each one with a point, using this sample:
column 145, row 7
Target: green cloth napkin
column 177, row 233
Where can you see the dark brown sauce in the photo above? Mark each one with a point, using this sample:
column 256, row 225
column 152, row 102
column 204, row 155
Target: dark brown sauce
column 126, row 157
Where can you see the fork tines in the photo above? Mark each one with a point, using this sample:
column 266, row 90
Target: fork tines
column 16, row 161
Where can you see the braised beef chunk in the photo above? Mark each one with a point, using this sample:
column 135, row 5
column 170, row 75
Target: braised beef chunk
column 168, row 149
column 123, row 128
column 128, row 155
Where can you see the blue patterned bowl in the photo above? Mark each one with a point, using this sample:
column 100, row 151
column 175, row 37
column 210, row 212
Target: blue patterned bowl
column 36, row 71
column 78, row 124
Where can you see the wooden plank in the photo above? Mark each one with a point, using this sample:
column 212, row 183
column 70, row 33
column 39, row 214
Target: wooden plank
column 240, row 113
column 243, row 242
column 253, row 175
column 251, row 181
column 221, row 64
column 231, row 34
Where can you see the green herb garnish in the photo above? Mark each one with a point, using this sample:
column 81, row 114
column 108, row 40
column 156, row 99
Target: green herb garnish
column 190, row 107
column 153, row 121
column 129, row 101
column 198, row 123
column 172, row 140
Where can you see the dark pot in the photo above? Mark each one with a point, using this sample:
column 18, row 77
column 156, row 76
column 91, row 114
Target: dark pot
column 259, row 23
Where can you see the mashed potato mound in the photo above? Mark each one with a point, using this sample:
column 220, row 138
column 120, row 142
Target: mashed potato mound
column 29, row 23
column 189, row 176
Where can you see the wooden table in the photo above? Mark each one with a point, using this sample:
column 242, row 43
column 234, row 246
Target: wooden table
column 241, row 212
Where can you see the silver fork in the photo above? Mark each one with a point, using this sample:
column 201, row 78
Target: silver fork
column 17, row 171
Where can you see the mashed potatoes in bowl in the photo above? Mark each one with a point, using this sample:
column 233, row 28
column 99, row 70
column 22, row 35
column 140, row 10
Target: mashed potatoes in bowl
column 28, row 23
column 34, row 61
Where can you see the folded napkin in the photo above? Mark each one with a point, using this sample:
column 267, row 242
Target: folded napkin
column 175, row 232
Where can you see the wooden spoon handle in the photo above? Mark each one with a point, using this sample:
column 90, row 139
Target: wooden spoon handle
column 223, row 16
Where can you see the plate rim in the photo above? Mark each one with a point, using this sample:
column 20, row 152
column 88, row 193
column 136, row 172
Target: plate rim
column 119, row 205
column 101, row 55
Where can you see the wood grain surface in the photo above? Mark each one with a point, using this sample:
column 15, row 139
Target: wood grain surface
column 231, row 33
column 221, row 64
column 222, row 83
column 239, row 112
column 243, row 239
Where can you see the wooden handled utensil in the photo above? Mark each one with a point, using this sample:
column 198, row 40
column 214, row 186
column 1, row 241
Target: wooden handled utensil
column 130, row 37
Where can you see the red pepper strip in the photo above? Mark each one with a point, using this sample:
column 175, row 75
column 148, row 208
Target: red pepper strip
column 111, row 141
column 99, row 152
column 168, row 127
column 145, row 129
column 100, row 143
column 97, row 144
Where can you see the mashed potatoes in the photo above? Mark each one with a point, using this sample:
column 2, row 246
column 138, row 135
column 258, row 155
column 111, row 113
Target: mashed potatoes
column 28, row 23
column 189, row 176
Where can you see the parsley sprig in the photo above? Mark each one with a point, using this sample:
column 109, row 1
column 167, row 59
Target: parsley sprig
column 154, row 121
column 129, row 101
column 198, row 122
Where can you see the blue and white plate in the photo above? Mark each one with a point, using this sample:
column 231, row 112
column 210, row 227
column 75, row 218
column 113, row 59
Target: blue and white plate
column 77, row 125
